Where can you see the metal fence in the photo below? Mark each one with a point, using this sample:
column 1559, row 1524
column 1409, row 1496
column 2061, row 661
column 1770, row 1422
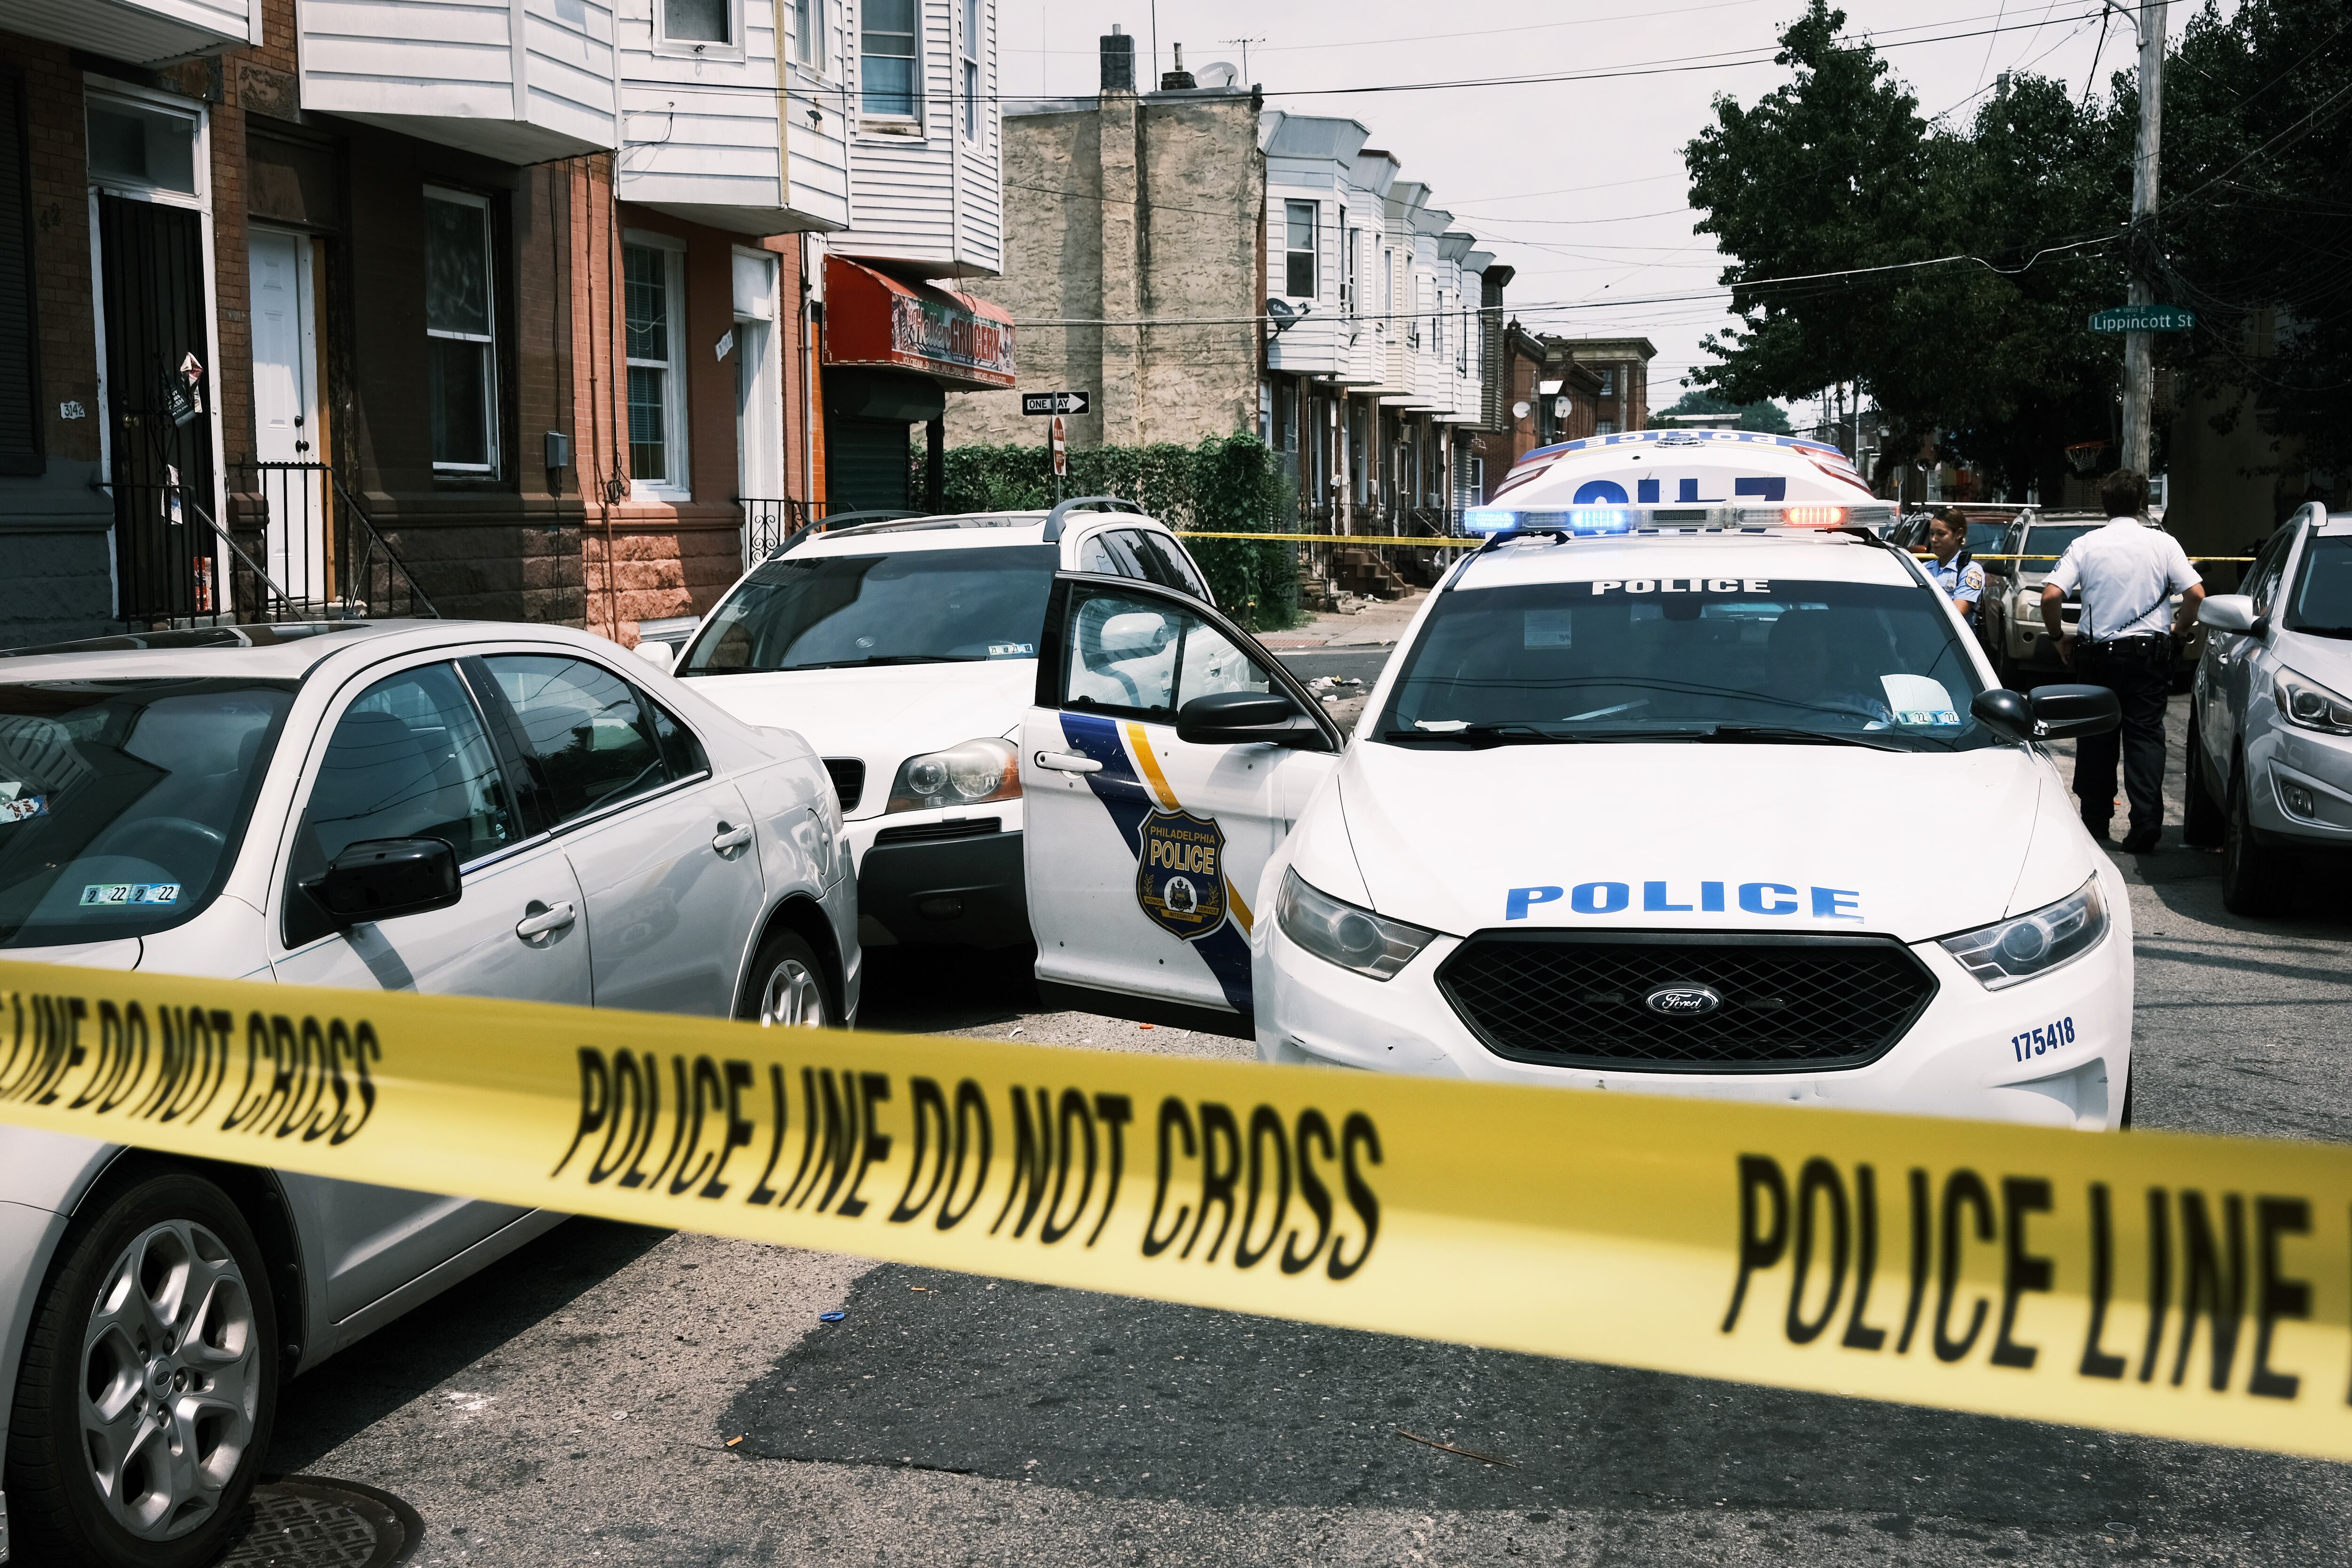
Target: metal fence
column 297, row 546
column 769, row 520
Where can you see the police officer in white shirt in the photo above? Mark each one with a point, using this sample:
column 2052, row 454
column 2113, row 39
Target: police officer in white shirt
column 2127, row 572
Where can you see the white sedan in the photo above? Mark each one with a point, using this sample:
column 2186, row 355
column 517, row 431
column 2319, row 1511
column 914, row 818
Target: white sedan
column 492, row 810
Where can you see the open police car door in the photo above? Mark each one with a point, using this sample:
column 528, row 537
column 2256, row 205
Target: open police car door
column 1166, row 755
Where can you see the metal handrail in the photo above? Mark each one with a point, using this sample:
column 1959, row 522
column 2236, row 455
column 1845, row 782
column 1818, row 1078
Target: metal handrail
column 375, row 547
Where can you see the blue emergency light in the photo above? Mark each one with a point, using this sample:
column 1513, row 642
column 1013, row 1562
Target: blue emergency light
column 1578, row 520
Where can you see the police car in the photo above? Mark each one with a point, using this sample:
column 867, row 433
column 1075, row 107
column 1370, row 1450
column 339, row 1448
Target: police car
column 1619, row 814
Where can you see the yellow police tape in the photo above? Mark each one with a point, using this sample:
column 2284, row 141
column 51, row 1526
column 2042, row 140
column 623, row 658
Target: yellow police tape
column 2186, row 1287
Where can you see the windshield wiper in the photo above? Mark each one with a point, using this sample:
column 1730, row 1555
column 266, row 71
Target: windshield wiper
column 880, row 658
column 1483, row 735
column 1779, row 734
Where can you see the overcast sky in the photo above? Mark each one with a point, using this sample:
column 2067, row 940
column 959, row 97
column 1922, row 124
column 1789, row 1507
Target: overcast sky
column 1579, row 185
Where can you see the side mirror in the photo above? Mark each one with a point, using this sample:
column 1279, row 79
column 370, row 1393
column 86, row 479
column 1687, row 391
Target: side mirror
column 1230, row 718
column 1135, row 634
column 379, row 878
column 660, row 655
column 2050, row 713
column 2007, row 711
column 2226, row 612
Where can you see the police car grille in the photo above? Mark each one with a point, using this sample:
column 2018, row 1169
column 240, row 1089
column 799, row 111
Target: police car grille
column 848, row 780
column 1789, row 1003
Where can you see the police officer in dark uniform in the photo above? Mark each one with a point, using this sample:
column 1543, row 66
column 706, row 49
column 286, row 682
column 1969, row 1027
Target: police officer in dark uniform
column 2127, row 572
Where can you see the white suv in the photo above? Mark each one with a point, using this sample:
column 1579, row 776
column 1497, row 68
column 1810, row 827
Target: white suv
column 905, row 650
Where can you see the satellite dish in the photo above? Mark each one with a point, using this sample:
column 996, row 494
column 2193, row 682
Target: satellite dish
column 1521, row 409
column 1220, row 73
column 1280, row 309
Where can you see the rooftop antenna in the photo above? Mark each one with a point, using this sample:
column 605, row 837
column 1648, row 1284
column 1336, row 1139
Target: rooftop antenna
column 1244, row 43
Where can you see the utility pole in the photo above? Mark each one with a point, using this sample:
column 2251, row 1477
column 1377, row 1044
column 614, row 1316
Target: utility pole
column 1244, row 43
column 2140, row 374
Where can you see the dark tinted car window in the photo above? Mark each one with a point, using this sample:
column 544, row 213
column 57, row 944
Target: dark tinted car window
column 2322, row 601
column 584, row 730
column 1165, row 564
column 911, row 606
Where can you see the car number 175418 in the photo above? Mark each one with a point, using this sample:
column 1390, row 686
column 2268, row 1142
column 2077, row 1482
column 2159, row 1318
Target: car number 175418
column 2036, row 1042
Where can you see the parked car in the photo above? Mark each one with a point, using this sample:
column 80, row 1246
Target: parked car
column 2269, row 725
column 905, row 650
column 491, row 810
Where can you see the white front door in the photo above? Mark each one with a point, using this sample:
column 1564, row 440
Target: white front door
column 285, row 413
column 1143, row 846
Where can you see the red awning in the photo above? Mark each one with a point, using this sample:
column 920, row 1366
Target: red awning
column 872, row 318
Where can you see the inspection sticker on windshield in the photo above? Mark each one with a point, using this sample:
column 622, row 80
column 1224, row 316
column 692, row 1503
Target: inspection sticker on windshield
column 131, row 893
column 1011, row 650
column 1918, row 701
column 20, row 807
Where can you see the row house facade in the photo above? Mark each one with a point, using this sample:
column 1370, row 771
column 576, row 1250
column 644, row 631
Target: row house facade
column 408, row 306
column 1556, row 389
column 1201, row 266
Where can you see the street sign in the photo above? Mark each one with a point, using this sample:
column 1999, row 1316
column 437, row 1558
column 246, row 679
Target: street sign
column 2144, row 319
column 1054, row 403
column 1061, row 441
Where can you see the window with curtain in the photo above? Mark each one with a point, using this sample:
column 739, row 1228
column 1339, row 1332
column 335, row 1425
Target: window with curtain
column 462, row 369
column 973, row 20
column 698, row 21
column 808, row 33
column 886, row 55
column 1298, row 265
column 652, row 304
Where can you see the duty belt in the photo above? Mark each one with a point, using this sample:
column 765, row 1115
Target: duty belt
column 2148, row 642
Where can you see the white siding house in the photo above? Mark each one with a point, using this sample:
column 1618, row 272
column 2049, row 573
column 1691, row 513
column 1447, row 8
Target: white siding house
column 522, row 81
column 925, row 156
column 715, row 112
column 1306, row 199
column 146, row 32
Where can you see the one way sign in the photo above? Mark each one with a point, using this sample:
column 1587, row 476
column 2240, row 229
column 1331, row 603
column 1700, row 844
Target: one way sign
column 1054, row 403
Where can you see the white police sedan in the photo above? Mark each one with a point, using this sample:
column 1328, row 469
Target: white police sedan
column 1642, row 802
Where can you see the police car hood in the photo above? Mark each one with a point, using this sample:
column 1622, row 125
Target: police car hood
column 1706, row 837
column 883, row 714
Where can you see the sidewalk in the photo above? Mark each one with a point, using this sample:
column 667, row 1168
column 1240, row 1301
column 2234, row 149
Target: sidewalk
column 1372, row 621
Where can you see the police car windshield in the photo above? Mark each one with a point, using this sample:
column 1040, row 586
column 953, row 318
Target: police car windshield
column 1687, row 658
column 2321, row 605
column 122, row 802
column 838, row 612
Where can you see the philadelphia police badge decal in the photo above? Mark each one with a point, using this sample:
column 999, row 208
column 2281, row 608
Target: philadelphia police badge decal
column 1180, row 873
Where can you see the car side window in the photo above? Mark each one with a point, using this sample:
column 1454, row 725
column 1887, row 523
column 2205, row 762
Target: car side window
column 1147, row 657
column 584, row 729
column 2270, row 563
column 409, row 759
column 1164, row 562
column 1110, row 554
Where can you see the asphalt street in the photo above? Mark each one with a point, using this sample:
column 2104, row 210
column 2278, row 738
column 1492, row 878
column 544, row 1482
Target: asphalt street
column 627, row 1396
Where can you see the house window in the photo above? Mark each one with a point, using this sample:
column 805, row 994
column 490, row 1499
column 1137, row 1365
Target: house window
column 654, row 299
column 1461, row 347
column 885, row 57
column 1437, row 326
column 808, row 33
column 972, row 34
column 1608, row 385
column 135, row 144
column 1388, row 285
column 1351, row 248
column 1299, row 270
column 1604, row 427
column 697, row 25
column 459, row 325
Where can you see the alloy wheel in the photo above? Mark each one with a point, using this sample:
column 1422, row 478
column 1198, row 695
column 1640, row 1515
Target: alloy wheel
column 170, row 1380
column 793, row 996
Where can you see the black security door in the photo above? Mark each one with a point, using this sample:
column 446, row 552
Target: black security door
column 159, row 386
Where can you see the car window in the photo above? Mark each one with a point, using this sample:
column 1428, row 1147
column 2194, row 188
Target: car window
column 584, row 729
column 2051, row 539
column 1165, row 564
column 1109, row 553
column 123, row 802
column 1145, row 656
column 2270, row 562
column 909, row 607
column 408, row 758
column 2322, row 601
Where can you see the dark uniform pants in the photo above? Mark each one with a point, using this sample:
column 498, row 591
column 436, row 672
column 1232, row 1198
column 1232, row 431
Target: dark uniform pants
column 2139, row 673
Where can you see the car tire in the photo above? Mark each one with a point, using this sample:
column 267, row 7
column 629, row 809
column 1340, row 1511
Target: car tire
column 155, row 1263
column 788, row 986
column 2201, row 826
column 2130, row 1077
column 2255, row 879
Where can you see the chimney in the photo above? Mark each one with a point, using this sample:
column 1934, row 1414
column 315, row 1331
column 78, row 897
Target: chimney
column 1179, row 79
column 1117, row 61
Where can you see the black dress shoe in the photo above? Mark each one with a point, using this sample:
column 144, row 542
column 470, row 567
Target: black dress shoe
column 2098, row 826
column 2140, row 840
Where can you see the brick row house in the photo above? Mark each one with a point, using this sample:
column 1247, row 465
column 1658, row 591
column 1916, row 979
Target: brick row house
column 408, row 306
column 1558, row 389
column 1203, row 265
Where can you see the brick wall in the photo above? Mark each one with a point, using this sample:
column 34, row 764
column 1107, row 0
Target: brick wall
column 61, row 262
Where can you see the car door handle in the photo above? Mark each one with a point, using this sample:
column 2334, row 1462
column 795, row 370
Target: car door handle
column 730, row 838
column 550, row 918
column 1063, row 763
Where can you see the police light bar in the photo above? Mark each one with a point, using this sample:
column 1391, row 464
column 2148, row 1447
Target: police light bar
column 1606, row 520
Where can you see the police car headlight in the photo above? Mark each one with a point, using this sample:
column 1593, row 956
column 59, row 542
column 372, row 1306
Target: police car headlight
column 2032, row 944
column 2311, row 706
column 1343, row 934
column 977, row 770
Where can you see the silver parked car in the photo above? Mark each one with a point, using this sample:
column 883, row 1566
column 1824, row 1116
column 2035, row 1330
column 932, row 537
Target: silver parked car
column 2270, row 727
column 491, row 810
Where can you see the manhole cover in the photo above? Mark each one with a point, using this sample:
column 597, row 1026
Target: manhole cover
column 309, row 1521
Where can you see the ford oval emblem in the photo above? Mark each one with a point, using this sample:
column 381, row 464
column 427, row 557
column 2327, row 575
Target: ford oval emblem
column 1682, row 1001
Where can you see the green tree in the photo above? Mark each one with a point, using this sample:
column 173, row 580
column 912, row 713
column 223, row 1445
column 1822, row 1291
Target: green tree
column 1836, row 171
column 1765, row 416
